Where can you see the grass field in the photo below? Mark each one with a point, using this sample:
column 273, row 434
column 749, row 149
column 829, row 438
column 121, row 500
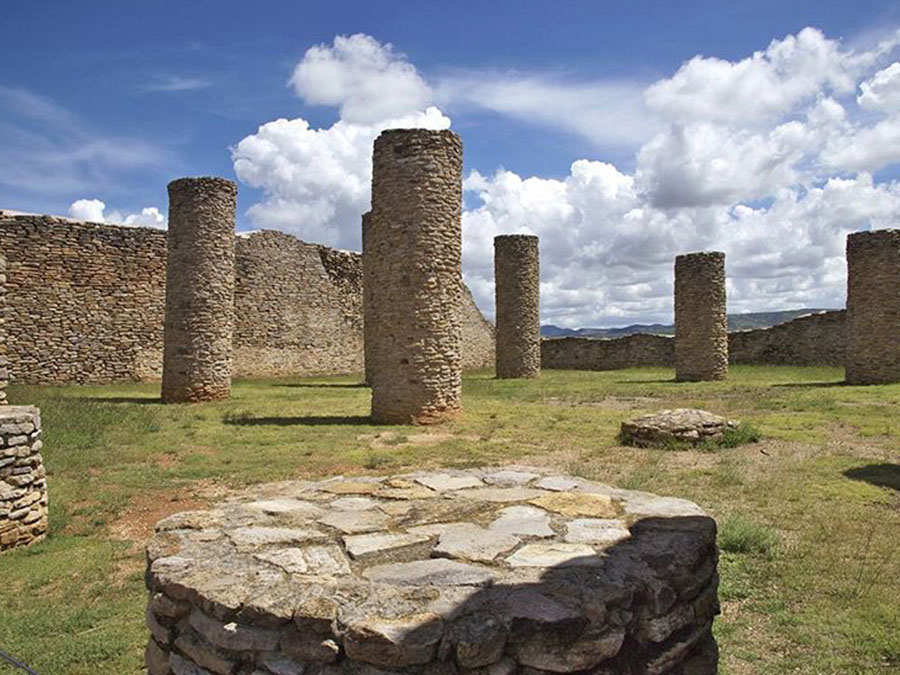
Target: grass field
column 809, row 517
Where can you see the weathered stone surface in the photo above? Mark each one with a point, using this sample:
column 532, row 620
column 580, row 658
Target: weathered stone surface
column 681, row 425
column 442, row 482
column 701, row 325
column 556, row 483
column 363, row 545
column 474, row 543
column 596, row 531
column 23, row 486
column 554, row 555
column 199, row 318
column 437, row 572
column 353, row 522
column 526, row 521
column 578, row 504
column 517, row 286
column 873, row 307
column 414, row 265
column 468, row 581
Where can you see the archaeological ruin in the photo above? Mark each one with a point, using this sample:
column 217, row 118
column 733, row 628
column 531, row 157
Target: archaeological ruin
column 507, row 570
column 368, row 320
column 517, row 289
column 86, row 304
column 414, row 266
column 23, row 482
column 701, row 325
column 873, row 307
column 199, row 317
column 4, row 361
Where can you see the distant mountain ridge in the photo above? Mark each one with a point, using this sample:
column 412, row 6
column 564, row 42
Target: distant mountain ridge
column 746, row 321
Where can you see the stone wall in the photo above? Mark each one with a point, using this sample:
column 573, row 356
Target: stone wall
column 812, row 340
column 873, row 307
column 23, row 485
column 701, row 325
column 86, row 302
column 631, row 351
column 517, row 284
column 416, row 277
column 199, row 318
column 4, row 363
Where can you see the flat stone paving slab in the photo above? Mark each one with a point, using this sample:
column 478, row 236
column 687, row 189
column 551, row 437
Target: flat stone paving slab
column 505, row 570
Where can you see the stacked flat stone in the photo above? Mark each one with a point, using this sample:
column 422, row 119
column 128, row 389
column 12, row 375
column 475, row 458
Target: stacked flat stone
column 368, row 316
column 414, row 270
column 873, row 307
column 682, row 425
column 199, row 319
column 494, row 571
column 517, row 289
column 4, row 361
column 23, row 484
column 701, row 323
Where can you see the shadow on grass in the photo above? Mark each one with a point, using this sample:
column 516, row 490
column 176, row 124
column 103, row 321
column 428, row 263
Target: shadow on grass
column 670, row 380
column 812, row 385
column 882, row 475
column 325, row 385
column 308, row 421
column 140, row 400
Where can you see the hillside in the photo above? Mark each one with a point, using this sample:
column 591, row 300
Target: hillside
column 745, row 321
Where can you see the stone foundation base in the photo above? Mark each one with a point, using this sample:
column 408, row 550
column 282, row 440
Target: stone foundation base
column 23, row 485
column 487, row 572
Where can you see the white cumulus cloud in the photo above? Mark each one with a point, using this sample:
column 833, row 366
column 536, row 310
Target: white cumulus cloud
column 94, row 211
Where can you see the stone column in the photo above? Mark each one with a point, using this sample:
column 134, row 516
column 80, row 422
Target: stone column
column 517, row 290
column 23, row 483
column 415, row 276
column 368, row 318
column 701, row 324
column 873, row 307
column 197, row 355
column 4, row 360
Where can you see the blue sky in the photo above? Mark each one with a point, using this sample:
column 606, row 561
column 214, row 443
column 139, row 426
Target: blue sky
column 109, row 101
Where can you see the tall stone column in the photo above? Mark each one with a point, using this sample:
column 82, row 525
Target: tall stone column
column 199, row 320
column 414, row 271
column 368, row 317
column 701, row 324
column 517, row 291
column 873, row 307
column 4, row 360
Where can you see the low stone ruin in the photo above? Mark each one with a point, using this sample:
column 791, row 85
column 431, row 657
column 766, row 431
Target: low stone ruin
column 23, row 484
column 667, row 427
column 493, row 571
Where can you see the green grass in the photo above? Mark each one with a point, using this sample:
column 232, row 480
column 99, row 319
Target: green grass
column 809, row 513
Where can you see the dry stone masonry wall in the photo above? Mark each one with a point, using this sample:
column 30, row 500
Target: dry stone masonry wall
column 415, row 274
column 517, row 284
column 23, row 484
column 368, row 317
column 199, row 318
column 86, row 304
column 503, row 571
column 873, row 307
column 4, row 361
column 701, row 325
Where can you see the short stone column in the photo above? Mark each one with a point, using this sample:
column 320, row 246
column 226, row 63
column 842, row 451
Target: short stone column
column 4, row 359
column 368, row 317
column 23, row 484
column 701, row 323
column 517, row 290
column 873, row 307
column 414, row 271
column 199, row 320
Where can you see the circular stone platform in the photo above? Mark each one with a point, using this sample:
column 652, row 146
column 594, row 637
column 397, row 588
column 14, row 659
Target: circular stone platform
column 682, row 425
column 494, row 571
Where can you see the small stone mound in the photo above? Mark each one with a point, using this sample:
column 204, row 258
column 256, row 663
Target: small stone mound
column 682, row 425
